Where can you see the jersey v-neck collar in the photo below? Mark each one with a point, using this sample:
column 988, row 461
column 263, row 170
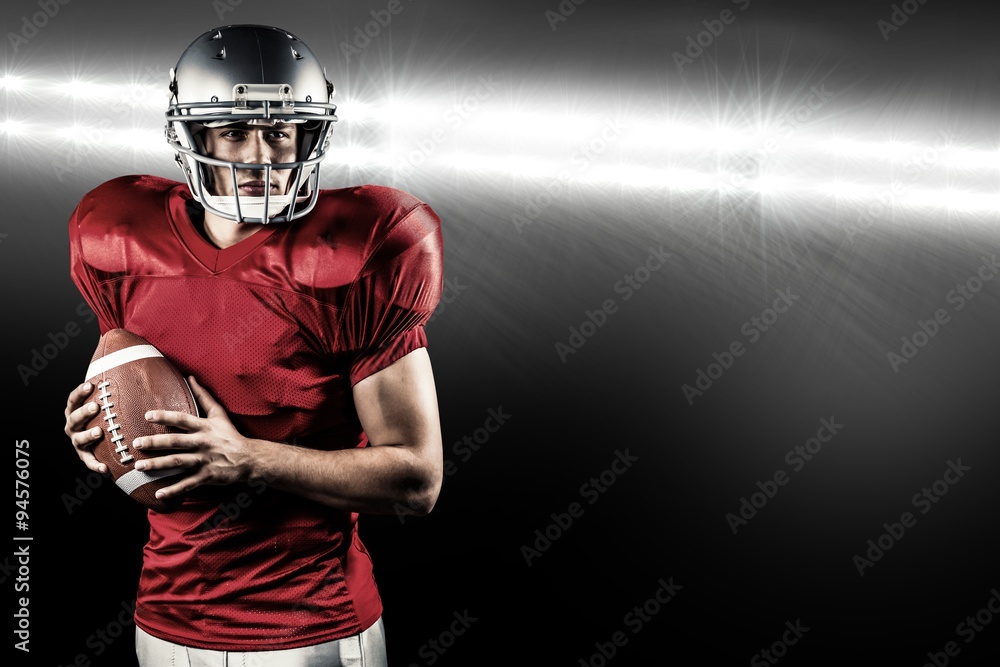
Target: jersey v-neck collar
column 212, row 258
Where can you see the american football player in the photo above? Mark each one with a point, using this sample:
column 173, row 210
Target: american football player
column 298, row 315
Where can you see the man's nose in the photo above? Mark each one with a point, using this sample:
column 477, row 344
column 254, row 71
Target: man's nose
column 258, row 151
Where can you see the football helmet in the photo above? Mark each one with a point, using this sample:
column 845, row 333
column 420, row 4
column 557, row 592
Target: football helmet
column 259, row 75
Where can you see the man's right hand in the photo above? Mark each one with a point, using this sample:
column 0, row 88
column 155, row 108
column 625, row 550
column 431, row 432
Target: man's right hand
column 78, row 413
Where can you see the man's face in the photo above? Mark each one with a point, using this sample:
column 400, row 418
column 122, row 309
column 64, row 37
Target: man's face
column 254, row 144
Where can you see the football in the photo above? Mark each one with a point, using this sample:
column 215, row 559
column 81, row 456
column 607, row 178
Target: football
column 130, row 377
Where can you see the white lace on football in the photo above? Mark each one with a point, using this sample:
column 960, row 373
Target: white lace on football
column 102, row 366
column 109, row 417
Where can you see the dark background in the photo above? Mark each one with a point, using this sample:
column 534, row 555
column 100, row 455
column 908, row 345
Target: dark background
column 494, row 345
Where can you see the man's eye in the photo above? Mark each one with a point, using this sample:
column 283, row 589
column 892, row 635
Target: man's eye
column 279, row 135
column 233, row 134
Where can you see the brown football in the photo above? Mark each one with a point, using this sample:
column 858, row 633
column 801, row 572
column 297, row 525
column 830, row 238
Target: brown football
column 130, row 377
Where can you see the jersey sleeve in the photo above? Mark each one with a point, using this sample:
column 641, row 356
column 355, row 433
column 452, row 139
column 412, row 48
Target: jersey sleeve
column 85, row 276
column 395, row 294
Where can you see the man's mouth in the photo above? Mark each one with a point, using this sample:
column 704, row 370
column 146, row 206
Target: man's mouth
column 257, row 188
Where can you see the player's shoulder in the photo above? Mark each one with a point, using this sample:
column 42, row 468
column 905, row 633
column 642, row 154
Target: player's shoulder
column 376, row 197
column 136, row 185
column 369, row 226
column 379, row 207
column 134, row 194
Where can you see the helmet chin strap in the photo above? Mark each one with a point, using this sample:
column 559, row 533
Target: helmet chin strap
column 249, row 207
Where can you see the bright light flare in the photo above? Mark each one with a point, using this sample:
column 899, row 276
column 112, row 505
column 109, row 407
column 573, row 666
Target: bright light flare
column 885, row 150
column 952, row 199
column 354, row 111
column 544, row 142
column 139, row 139
column 846, row 190
column 963, row 158
column 524, row 166
column 772, row 184
column 76, row 132
column 526, row 127
column 359, row 156
column 81, row 89
column 11, row 82
column 13, row 127
column 677, row 137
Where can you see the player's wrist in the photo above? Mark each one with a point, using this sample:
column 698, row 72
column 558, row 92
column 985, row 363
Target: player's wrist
column 257, row 467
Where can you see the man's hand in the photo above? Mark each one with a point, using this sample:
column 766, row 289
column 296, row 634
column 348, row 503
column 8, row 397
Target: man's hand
column 397, row 408
column 77, row 414
column 210, row 447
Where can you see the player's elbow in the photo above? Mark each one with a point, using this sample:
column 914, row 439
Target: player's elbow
column 425, row 486
column 421, row 502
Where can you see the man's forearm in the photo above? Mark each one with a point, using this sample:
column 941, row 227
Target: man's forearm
column 373, row 479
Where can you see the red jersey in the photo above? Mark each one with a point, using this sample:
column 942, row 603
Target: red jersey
column 278, row 327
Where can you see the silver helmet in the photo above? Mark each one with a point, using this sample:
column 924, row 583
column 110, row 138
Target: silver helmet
column 259, row 75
